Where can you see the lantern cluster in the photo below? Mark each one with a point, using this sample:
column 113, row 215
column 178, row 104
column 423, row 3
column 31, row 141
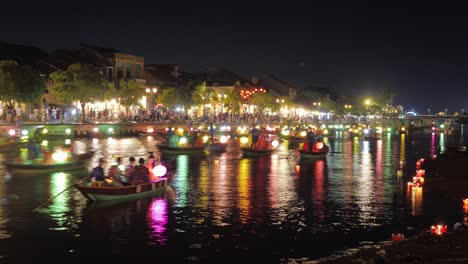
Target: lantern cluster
column 438, row 230
column 245, row 94
column 418, row 179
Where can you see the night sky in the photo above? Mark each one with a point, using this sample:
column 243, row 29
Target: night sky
column 420, row 53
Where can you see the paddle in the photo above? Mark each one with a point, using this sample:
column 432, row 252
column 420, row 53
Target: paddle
column 66, row 189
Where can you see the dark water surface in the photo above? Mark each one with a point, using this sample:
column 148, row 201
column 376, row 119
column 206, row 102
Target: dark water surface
column 226, row 208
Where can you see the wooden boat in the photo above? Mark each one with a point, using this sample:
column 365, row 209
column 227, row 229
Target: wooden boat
column 129, row 192
column 295, row 138
column 256, row 152
column 78, row 162
column 313, row 154
column 164, row 148
column 217, row 147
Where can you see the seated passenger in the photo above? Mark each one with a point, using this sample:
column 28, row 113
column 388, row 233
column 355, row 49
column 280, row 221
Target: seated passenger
column 140, row 173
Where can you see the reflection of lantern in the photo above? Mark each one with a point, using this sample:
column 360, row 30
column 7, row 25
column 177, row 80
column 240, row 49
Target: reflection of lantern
column 11, row 132
column 298, row 169
column 159, row 170
column 275, row 143
column 319, row 145
column 439, row 230
column 465, row 205
column 303, row 134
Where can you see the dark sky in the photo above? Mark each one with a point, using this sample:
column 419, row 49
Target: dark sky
column 420, row 53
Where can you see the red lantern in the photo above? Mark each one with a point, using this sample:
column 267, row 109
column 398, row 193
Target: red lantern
column 319, row 145
column 439, row 230
column 397, row 237
column 465, row 205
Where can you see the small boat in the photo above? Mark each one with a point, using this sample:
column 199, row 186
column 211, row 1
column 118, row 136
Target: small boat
column 78, row 162
column 256, row 152
column 315, row 153
column 217, row 147
column 123, row 193
column 295, row 138
column 164, row 148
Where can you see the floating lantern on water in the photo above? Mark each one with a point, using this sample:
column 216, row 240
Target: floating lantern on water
column 398, row 237
column 95, row 130
column 325, row 132
column 275, row 143
column 159, row 170
column 67, row 141
column 110, row 130
column 11, row 132
column 150, row 130
column 303, row 134
column 298, row 169
column 44, row 131
column 68, row 131
column 59, row 155
column 438, row 230
column 223, row 139
column 244, row 140
column 465, row 205
column 420, row 173
column 180, row 131
column 366, row 131
column 285, row 132
column 205, row 138
column 24, row 132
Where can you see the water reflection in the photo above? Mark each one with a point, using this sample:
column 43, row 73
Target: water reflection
column 416, row 198
column 157, row 221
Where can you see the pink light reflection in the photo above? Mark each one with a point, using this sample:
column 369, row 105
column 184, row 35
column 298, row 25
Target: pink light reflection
column 157, row 221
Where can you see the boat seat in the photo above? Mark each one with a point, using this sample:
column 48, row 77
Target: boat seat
column 97, row 184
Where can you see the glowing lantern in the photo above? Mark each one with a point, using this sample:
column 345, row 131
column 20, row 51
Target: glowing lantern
column 303, row 134
column 183, row 141
column 398, row 237
column 68, row 131
column 439, row 230
column 465, row 204
column 403, row 129
column 244, row 140
column 24, row 132
column 275, row 143
column 205, row 138
column 223, row 139
column 44, row 131
column 159, row 170
column 95, row 130
column 325, row 132
column 285, row 132
column 11, row 132
column 366, row 131
column 67, row 141
column 121, row 167
column 319, row 145
column 59, row 155
column 180, row 131
column 110, row 130
column 298, row 169
column 150, row 130
column 45, row 143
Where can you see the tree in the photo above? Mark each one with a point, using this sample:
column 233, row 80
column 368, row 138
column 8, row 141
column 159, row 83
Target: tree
column 167, row 96
column 264, row 100
column 80, row 82
column 386, row 98
column 128, row 93
column 203, row 95
column 234, row 101
column 19, row 84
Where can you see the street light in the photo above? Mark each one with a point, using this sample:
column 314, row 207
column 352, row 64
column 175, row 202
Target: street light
column 367, row 102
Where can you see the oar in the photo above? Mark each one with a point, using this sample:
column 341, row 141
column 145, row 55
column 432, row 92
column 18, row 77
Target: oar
column 66, row 189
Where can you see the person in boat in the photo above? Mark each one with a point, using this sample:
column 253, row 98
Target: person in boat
column 115, row 173
column 98, row 172
column 319, row 146
column 140, row 173
column 262, row 141
column 129, row 169
column 33, row 150
column 310, row 139
column 255, row 133
column 150, row 165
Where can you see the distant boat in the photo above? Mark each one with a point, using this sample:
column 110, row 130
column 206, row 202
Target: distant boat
column 124, row 193
column 78, row 162
column 164, row 148
column 256, row 152
column 314, row 154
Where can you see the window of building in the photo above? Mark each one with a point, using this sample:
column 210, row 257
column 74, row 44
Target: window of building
column 137, row 71
column 129, row 70
column 120, row 68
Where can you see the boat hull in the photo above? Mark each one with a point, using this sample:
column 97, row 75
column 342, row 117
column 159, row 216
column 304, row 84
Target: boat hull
column 313, row 155
column 180, row 150
column 123, row 193
column 256, row 152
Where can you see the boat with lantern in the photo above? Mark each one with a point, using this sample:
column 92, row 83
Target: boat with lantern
column 58, row 163
column 128, row 192
column 319, row 150
column 254, row 152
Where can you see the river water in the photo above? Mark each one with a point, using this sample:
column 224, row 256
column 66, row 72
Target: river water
column 227, row 208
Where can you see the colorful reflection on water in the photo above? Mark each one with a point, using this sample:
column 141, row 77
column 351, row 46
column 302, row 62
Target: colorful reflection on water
column 225, row 204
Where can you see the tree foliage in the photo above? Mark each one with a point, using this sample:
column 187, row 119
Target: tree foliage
column 202, row 95
column 264, row 100
column 19, row 84
column 234, row 101
column 80, row 82
column 129, row 93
